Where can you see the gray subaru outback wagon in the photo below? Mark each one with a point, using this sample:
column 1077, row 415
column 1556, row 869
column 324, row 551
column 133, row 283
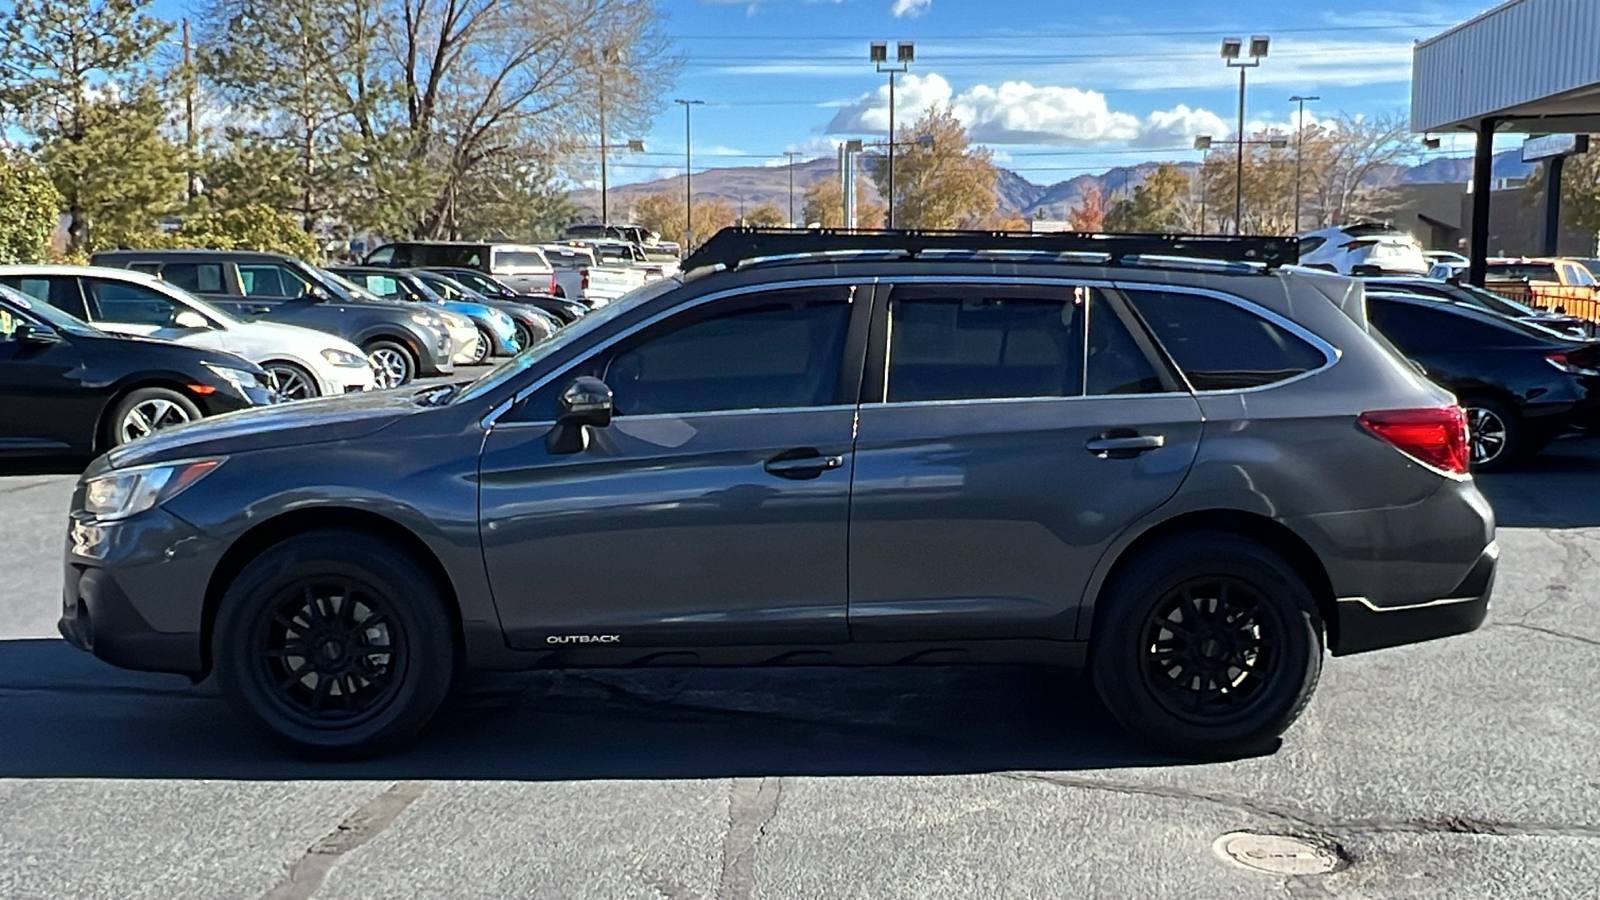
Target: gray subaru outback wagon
column 1167, row 460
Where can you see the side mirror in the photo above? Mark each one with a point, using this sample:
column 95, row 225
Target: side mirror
column 318, row 293
column 190, row 319
column 586, row 403
column 29, row 333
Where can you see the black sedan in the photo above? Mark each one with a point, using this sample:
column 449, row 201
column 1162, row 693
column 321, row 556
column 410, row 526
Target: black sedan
column 1489, row 301
column 1523, row 386
column 564, row 309
column 69, row 390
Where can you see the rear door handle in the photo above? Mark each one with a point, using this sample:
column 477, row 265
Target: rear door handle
column 789, row 465
column 1124, row 446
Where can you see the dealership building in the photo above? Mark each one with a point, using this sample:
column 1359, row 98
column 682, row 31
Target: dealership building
column 1527, row 67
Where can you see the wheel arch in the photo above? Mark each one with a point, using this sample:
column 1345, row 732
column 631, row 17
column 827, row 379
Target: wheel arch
column 167, row 381
column 264, row 535
column 1264, row 530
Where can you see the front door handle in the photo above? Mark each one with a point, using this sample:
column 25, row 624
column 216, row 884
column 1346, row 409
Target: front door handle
column 1124, row 446
column 792, row 465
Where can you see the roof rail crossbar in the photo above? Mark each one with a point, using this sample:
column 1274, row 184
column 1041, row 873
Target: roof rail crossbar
column 732, row 247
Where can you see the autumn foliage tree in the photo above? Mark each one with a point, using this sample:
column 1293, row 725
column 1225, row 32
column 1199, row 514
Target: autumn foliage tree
column 940, row 179
column 1089, row 213
column 663, row 214
column 824, row 205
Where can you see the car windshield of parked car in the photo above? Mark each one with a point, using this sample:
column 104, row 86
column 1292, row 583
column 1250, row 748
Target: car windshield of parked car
column 576, row 331
column 1523, row 272
column 349, row 287
column 43, row 312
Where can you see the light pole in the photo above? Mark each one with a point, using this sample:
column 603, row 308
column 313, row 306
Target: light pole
column 1230, row 55
column 905, row 55
column 791, row 154
column 635, row 145
column 688, row 183
column 1299, row 153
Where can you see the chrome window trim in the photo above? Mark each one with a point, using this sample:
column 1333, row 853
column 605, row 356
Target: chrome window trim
column 970, row 401
column 489, row 421
column 832, row 407
column 1331, row 354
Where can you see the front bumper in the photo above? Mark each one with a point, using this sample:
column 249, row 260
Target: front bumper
column 134, row 591
column 464, row 343
column 1361, row 625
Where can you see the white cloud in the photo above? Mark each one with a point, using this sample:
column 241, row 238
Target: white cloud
column 1017, row 112
column 912, row 8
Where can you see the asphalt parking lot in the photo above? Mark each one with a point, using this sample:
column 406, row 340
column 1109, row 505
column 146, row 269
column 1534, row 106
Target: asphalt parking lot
column 1462, row 768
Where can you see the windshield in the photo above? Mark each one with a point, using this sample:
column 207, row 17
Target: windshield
column 517, row 259
column 51, row 316
column 1496, row 303
column 1523, row 271
column 350, row 287
column 598, row 319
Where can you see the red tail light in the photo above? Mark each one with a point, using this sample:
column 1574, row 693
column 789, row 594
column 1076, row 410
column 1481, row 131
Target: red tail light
column 586, row 279
column 1434, row 437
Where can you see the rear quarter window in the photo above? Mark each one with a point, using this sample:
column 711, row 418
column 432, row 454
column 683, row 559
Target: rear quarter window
column 1222, row 346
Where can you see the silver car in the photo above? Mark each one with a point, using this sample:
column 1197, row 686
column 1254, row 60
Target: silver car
column 1193, row 477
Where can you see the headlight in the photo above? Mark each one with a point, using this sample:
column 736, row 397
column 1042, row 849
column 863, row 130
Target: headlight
column 342, row 358
column 423, row 317
column 120, row 494
column 239, row 378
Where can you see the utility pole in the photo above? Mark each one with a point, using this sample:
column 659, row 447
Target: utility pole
column 791, row 154
column 688, row 176
column 188, row 110
column 1299, row 154
column 605, row 209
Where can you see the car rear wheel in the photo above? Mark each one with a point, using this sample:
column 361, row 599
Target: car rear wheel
column 484, row 347
column 524, row 337
column 336, row 643
column 392, row 364
column 294, row 383
column 148, row 410
column 1495, row 434
column 1206, row 644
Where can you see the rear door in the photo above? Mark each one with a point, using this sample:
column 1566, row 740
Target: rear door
column 1007, row 435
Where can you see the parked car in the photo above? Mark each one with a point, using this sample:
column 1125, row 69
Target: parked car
column 522, row 266
column 1523, row 386
column 401, row 342
column 565, row 309
column 304, row 363
column 1191, row 477
column 572, row 265
column 69, row 390
column 1446, row 256
column 1448, row 270
column 1363, row 249
column 494, row 332
column 1452, row 292
column 1559, row 285
column 531, row 324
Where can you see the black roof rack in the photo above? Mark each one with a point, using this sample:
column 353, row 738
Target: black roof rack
column 732, row 247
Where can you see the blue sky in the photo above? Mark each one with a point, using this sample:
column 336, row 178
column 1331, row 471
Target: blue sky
column 1055, row 87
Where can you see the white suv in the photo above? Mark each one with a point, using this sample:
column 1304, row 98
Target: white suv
column 306, row 362
column 1363, row 249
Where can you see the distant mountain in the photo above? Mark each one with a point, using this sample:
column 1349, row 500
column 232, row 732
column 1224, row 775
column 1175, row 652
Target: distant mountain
column 750, row 186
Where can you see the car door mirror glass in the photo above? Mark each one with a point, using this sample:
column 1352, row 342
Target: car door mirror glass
column 29, row 333
column 188, row 318
column 585, row 402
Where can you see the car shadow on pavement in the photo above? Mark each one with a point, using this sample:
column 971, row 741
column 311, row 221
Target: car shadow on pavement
column 10, row 467
column 67, row 714
column 1554, row 489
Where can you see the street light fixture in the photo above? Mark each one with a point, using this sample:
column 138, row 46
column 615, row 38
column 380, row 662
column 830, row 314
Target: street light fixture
column 905, row 55
column 688, row 167
column 1230, row 54
column 1299, row 152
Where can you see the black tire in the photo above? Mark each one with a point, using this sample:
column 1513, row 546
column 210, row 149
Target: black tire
column 485, row 347
column 176, row 410
column 289, row 599
column 393, row 364
column 1263, row 636
column 1495, row 434
column 524, row 337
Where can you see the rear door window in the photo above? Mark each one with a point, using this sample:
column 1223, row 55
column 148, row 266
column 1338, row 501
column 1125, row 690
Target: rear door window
column 196, row 278
column 1116, row 363
column 130, row 304
column 982, row 342
column 60, row 291
column 1221, row 346
column 271, row 280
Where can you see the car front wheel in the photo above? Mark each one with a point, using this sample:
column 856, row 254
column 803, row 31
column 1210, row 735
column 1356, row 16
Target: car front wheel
column 392, row 365
column 336, row 643
column 148, row 410
column 1207, row 644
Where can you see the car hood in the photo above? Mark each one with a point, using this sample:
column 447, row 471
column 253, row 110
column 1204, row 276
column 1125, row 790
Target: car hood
column 303, row 340
column 269, row 427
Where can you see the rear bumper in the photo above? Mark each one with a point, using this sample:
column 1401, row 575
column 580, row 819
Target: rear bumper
column 1362, row 625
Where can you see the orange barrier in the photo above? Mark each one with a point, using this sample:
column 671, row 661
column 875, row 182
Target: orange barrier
column 1571, row 300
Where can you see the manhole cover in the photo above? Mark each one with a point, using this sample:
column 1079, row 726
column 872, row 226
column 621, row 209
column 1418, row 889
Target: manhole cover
column 1278, row 854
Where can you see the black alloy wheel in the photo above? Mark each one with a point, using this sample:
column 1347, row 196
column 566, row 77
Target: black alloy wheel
column 484, row 348
column 1494, row 434
column 336, row 642
column 1206, row 644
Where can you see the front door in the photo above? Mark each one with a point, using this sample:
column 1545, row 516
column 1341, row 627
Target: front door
column 1016, row 431
column 713, row 510
column 47, row 408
